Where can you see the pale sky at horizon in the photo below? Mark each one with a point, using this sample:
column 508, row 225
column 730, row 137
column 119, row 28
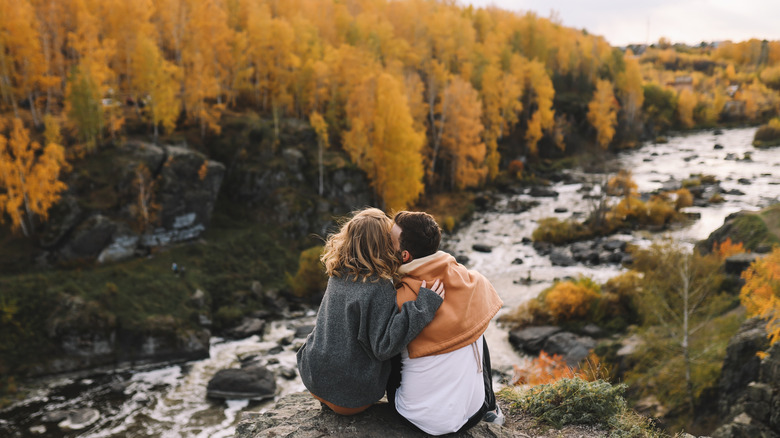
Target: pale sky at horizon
column 624, row 22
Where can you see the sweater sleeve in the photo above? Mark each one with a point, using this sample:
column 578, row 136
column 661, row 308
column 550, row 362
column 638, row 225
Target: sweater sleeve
column 390, row 330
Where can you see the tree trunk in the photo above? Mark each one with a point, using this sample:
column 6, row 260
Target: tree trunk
column 686, row 299
column 321, row 167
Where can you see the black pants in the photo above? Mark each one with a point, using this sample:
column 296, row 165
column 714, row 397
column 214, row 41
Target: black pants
column 394, row 382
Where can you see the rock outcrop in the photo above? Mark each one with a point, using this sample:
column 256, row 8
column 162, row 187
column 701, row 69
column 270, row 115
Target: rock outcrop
column 553, row 340
column 148, row 196
column 750, row 387
column 299, row 415
column 87, row 337
column 750, row 228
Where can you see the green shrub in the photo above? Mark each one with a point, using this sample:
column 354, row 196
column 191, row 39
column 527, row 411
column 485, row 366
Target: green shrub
column 227, row 316
column 310, row 278
column 573, row 401
column 577, row 401
column 659, row 211
column 768, row 135
column 555, row 231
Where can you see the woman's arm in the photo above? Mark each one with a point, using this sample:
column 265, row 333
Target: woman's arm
column 388, row 330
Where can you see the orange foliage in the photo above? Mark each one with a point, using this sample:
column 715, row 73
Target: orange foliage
column 294, row 57
column 602, row 113
column 542, row 370
column 382, row 140
column 761, row 293
column 203, row 171
column 727, row 249
column 684, row 199
column 547, row 369
column 686, row 101
column 515, row 168
column 567, row 300
column 29, row 177
column 462, row 136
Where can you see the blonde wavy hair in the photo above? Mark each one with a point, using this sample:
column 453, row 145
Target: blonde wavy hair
column 362, row 248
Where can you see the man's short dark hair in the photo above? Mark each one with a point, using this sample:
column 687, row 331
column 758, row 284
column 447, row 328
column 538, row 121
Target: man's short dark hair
column 420, row 234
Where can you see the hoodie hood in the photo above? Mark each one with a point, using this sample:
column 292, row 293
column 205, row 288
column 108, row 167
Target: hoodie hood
column 470, row 302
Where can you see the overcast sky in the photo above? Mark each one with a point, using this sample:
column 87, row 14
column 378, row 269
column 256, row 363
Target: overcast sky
column 687, row 21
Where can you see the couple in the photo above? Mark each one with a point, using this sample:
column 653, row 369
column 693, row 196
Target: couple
column 381, row 328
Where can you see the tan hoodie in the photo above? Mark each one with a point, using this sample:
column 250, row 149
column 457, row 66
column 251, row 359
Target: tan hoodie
column 469, row 304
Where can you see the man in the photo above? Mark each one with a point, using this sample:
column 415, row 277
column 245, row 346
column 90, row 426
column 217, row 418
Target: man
column 445, row 383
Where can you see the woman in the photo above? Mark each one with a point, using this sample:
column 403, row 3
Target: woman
column 345, row 360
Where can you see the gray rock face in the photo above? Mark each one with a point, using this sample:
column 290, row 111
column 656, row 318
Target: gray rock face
column 90, row 338
column 183, row 184
column 299, row 415
column 254, row 382
column 741, row 365
column 752, row 409
column 737, row 263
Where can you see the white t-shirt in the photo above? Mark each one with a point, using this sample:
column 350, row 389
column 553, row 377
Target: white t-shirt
column 440, row 393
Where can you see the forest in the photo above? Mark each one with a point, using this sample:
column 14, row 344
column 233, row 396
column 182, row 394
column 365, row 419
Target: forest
column 447, row 96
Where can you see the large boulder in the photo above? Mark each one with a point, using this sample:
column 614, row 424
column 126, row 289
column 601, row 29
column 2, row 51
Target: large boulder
column 531, row 340
column 573, row 348
column 299, row 415
column 254, row 382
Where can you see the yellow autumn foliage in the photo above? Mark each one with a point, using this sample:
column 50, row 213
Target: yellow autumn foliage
column 761, row 293
column 568, row 300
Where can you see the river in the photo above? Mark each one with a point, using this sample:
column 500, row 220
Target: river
column 171, row 401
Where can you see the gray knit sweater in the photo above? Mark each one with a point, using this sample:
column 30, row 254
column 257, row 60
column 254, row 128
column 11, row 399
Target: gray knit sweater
column 358, row 328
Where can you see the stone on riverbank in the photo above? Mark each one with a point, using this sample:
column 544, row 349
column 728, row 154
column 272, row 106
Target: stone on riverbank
column 254, row 382
column 72, row 419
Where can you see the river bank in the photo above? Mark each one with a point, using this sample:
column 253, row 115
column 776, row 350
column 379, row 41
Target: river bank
column 171, row 401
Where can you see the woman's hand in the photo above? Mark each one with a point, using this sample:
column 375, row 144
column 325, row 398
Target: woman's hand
column 437, row 287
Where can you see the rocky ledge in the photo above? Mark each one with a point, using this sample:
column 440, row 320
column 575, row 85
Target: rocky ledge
column 301, row 416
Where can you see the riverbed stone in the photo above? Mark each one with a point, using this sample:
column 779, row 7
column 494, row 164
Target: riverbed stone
column 248, row 327
column 76, row 419
column 573, row 348
column 560, row 258
column 614, row 245
column 531, row 340
column 543, row 192
column 254, row 382
column 480, row 247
